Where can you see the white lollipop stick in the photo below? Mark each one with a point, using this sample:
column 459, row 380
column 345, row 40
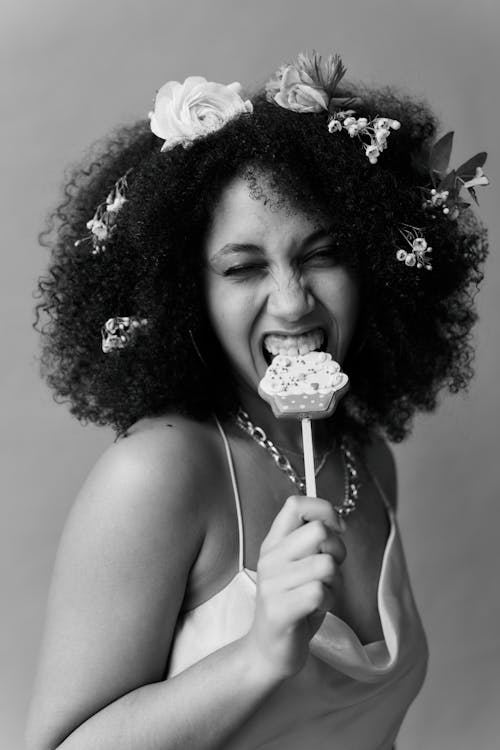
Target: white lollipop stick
column 305, row 387
column 307, row 444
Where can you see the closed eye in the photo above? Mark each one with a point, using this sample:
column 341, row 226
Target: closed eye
column 326, row 255
column 244, row 270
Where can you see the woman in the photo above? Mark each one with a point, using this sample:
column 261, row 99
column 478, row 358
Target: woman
column 200, row 599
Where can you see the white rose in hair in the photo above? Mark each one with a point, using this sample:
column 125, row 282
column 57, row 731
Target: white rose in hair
column 185, row 111
column 298, row 92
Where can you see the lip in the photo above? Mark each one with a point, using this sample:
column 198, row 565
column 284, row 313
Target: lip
column 296, row 332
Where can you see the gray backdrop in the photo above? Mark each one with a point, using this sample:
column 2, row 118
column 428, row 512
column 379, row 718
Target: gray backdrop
column 74, row 69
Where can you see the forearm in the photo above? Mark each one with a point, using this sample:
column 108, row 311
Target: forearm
column 199, row 708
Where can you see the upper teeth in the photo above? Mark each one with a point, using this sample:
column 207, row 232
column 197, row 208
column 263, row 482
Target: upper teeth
column 276, row 343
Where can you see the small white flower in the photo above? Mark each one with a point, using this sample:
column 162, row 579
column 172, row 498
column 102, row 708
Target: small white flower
column 373, row 152
column 381, row 135
column 419, row 245
column 334, row 125
column 438, row 199
column 98, row 228
column 115, row 205
column 348, row 121
column 401, row 254
column 410, row 259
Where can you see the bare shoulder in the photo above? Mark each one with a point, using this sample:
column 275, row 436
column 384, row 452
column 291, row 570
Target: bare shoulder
column 380, row 461
column 155, row 471
column 166, row 449
column 121, row 572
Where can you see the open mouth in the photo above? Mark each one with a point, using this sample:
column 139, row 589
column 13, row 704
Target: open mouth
column 273, row 344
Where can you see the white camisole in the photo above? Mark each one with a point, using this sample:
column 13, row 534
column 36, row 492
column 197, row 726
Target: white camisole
column 348, row 696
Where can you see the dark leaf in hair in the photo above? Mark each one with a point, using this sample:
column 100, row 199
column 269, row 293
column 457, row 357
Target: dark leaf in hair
column 450, row 182
column 440, row 156
column 454, row 181
column 467, row 171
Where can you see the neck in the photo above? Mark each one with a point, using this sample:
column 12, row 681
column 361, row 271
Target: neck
column 285, row 433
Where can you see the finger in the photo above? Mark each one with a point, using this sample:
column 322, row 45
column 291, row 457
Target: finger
column 309, row 598
column 297, row 510
column 309, row 539
column 287, row 607
column 318, row 567
column 336, row 524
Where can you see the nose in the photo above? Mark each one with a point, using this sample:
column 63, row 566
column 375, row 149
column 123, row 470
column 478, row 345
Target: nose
column 290, row 299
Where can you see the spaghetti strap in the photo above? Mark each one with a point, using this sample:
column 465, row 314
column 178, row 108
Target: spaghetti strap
column 389, row 508
column 241, row 554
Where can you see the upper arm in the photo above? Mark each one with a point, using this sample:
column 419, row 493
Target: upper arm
column 380, row 461
column 119, row 580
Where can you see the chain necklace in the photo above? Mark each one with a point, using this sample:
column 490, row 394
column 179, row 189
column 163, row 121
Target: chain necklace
column 351, row 481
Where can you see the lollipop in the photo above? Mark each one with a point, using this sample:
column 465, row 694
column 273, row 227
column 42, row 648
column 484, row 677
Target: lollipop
column 305, row 387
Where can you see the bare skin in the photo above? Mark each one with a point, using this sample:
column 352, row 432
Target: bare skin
column 365, row 535
column 124, row 573
column 153, row 531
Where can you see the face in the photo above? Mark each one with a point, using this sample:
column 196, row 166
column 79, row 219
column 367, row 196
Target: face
column 273, row 283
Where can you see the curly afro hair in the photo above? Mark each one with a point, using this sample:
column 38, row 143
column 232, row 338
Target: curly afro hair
column 414, row 337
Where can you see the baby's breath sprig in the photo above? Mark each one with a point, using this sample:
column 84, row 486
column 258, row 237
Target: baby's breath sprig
column 419, row 252
column 119, row 332
column 103, row 223
column 376, row 131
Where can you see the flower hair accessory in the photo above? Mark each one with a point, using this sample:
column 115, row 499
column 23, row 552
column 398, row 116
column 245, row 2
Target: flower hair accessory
column 117, row 333
column 103, row 223
column 197, row 107
column 309, row 85
column 447, row 186
column 372, row 133
column 445, row 195
column 419, row 252
column 193, row 109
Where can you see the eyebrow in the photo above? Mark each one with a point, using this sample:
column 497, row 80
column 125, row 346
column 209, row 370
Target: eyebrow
column 235, row 247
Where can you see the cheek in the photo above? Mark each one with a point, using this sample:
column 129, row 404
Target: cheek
column 342, row 290
column 227, row 314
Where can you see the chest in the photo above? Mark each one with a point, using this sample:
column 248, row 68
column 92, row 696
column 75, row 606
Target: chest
column 262, row 490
